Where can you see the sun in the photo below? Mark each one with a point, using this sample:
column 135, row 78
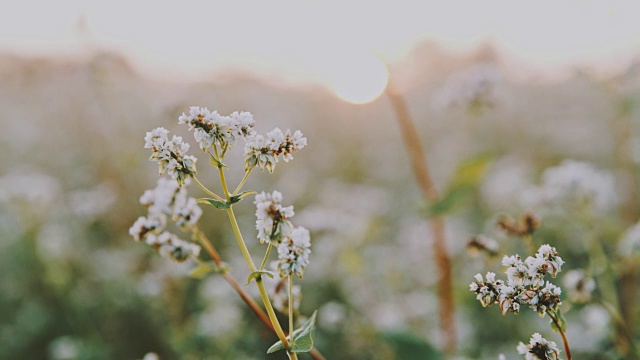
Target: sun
column 358, row 78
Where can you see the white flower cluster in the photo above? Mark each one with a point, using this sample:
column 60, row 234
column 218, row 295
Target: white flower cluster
column 170, row 154
column 293, row 252
column 525, row 283
column 263, row 152
column 210, row 127
column 167, row 199
column 574, row 183
column 539, row 348
column 629, row 245
column 274, row 226
column 272, row 218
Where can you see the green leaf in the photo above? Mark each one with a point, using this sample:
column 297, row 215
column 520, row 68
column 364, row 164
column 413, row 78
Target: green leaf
column 464, row 181
column 205, row 268
column 561, row 321
column 217, row 203
column 236, row 198
column 216, row 163
column 302, row 338
column 257, row 274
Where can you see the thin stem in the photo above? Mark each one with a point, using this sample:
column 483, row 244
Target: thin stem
column 266, row 256
column 564, row 338
column 215, row 256
column 204, row 188
column 247, row 257
column 430, row 194
column 290, row 308
column 244, row 179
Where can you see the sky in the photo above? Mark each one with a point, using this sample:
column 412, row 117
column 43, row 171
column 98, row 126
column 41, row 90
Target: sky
column 330, row 41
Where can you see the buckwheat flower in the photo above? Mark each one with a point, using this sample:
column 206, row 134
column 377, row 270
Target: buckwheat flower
column 275, row 139
column 474, row 88
column 510, row 299
column 293, row 253
column 272, row 218
column 543, row 299
column 579, row 287
column 257, row 153
column 517, row 272
column 162, row 198
column 292, row 143
column 487, row 292
column 546, row 261
column 175, row 249
column 539, row 348
column 242, row 124
column 144, row 226
column 186, row 213
column 170, row 154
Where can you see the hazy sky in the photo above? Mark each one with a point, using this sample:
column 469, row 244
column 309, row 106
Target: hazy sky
column 304, row 40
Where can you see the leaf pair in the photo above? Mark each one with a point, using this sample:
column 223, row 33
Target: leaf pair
column 223, row 205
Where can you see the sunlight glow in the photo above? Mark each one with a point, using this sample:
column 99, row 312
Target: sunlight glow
column 359, row 78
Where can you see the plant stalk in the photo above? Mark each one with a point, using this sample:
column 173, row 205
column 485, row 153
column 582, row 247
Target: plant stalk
column 430, row 194
column 564, row 338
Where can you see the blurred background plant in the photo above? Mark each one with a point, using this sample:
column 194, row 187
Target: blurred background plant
column 74, row 286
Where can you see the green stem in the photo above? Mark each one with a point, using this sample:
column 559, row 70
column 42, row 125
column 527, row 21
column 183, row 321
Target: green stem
column 291, row 355
column 211, row 193
column 247, row 257
column 264, row 261
column 290, row 308
column 564, row 338
column 244, row 179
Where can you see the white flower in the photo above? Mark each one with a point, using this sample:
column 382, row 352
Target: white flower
column 174, row 248
column 263, row 152
column 543, row 299
column 210, row 127
column 272, row 218
column 186, row 213
column 539, row 348
column 574, row 183
column 293, row 253
column 144, row 226
column 258, row 154
column 579, row 286
column 170, row 154
column 487, row 292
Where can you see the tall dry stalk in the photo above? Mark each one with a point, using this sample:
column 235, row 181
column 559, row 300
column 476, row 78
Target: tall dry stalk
column 430, row 194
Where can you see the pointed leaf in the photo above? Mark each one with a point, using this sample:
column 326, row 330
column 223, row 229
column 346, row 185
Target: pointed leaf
column 275, row 347
column 257, row 274
column 302, row 338
column 217, row 203
column 236, row 198
column 561, row 321
column 216, row 163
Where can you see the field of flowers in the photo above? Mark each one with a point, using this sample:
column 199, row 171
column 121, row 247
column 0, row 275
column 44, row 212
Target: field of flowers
column 511, row 165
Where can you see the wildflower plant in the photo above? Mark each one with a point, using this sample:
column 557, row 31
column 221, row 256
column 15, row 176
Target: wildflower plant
column 216, row 135
column 526, row 286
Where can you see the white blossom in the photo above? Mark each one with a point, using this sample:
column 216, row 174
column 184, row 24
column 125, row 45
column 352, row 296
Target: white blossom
column 144, row 226
column 263, row 152
column 174, row 248
column 472, row 88
column 539, row 348
column 579, row 287
column 293, row 253
column 487, row 292
column 170, row 154
column 272, row 219
column 257, row 153
column 212, row 128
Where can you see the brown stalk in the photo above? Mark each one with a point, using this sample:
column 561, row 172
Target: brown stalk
column 215, row 256
column 430, row 194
